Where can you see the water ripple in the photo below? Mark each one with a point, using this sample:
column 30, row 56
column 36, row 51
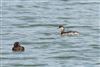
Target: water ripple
column 35, row 24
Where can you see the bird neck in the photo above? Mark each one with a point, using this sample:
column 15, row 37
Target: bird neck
column 61, row 30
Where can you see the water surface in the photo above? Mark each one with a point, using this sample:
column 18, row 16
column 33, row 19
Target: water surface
column 34, row 24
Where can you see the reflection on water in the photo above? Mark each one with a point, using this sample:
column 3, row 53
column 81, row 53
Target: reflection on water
column 35, row 25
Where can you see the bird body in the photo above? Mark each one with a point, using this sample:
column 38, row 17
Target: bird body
column 62, row 31
column 17, row 47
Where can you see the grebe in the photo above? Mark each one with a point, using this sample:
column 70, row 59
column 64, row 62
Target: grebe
column 62, row 32
column 17, row 47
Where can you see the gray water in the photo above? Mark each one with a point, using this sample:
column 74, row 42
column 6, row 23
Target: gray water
column 34, row 23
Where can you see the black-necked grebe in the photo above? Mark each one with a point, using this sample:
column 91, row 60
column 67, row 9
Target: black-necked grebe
column 62, row 32
column 17, row 47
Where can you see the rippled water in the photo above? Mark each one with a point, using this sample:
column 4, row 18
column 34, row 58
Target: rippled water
column 34, row 23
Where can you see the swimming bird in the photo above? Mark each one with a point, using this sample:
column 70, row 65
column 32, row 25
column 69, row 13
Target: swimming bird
column 17, row 47
column 62, row 31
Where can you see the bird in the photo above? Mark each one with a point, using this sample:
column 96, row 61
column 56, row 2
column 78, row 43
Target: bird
column 17, row 47
column 62, row 31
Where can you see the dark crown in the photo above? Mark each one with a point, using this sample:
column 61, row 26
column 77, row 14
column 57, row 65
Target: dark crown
column 60, row 26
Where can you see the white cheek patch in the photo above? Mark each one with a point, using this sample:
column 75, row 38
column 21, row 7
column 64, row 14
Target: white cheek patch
column 61, row 29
